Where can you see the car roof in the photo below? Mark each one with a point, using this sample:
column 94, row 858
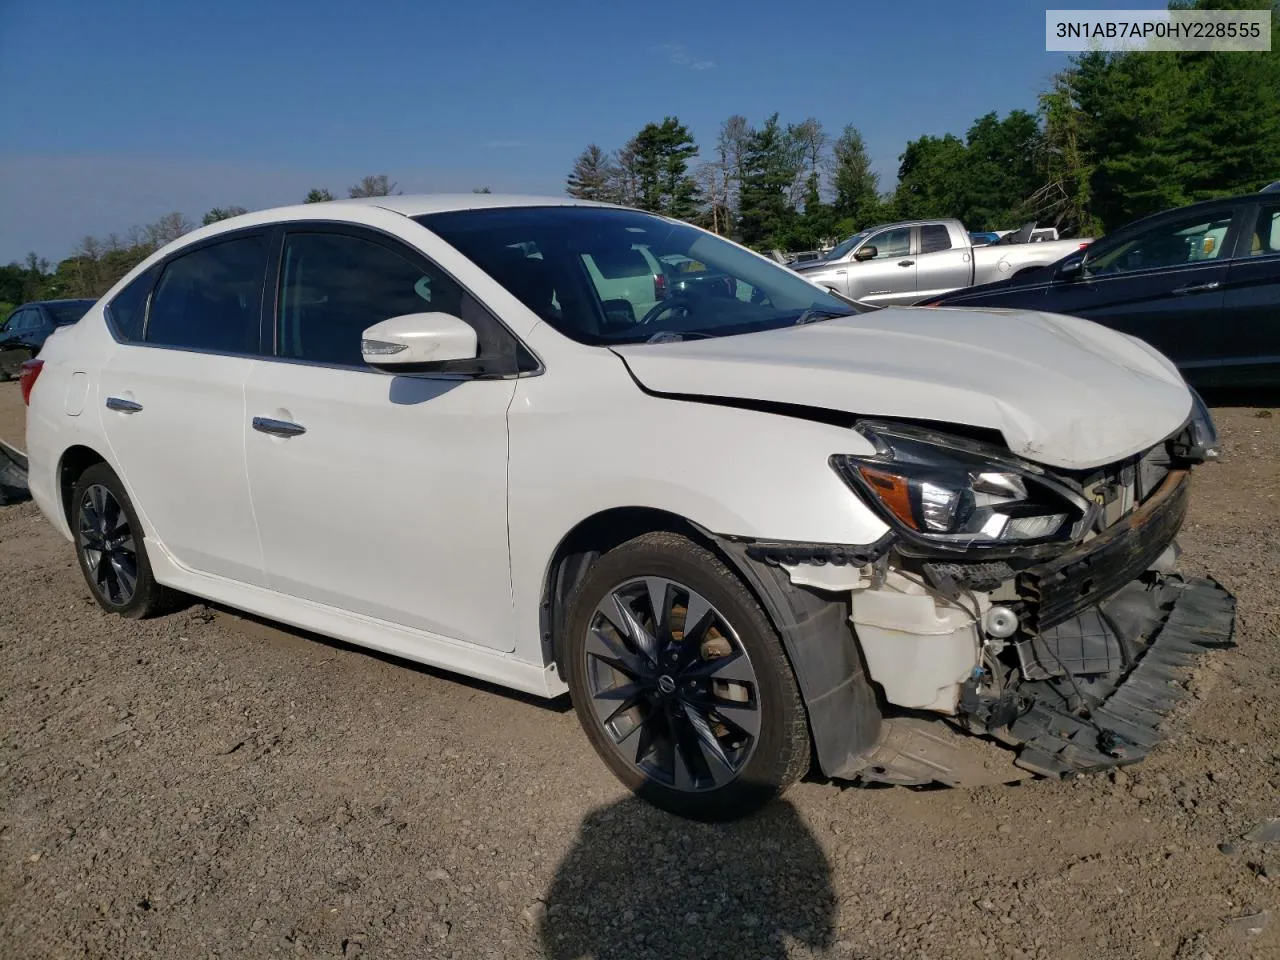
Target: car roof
column 419, row 204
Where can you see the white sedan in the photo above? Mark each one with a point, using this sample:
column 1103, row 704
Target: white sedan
column 746, row 530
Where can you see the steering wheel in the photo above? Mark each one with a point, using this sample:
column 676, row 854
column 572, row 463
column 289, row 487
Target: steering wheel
column 666, row 306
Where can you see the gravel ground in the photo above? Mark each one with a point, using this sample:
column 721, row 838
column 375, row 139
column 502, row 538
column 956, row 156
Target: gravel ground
column 207, row 785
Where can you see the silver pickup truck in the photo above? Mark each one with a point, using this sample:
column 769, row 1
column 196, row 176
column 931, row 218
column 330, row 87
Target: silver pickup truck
column 902, row 263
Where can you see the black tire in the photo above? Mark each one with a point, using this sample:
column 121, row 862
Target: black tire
column 764, row 763
column 144, row 596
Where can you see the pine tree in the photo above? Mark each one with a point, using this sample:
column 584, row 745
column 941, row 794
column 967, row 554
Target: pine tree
column 593, row 176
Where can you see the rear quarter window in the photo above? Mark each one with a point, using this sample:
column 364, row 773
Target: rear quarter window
column 127, row 311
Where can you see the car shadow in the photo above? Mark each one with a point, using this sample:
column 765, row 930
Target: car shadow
column 640, row 883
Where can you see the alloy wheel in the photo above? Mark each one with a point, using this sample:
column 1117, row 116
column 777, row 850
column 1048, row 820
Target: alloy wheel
column 107, row 545
column 672, row 685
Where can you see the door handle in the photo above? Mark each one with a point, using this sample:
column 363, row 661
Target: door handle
column 122, row 405
column 1198, row 287
column 278, row 428
column 906, row 263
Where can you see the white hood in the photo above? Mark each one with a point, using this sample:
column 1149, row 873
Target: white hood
column 1063, row 392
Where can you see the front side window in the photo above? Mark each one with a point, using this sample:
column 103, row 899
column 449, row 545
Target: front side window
column 335, row 286
column 845, row 247
column 210, row 299
column 1265, row 238
column 891, row 243
column 567, row 281
column 1174, row 243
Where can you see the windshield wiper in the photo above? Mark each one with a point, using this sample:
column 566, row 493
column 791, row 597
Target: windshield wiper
column 672, row 336
column 814, row 314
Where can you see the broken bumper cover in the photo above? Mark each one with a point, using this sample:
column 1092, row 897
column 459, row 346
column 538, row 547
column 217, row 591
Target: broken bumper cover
column 1067, row 724
column 1059, row 735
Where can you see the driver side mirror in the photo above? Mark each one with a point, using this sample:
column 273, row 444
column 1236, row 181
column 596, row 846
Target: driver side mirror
column 865, row 253
column 1071, row 269
column 420, row 343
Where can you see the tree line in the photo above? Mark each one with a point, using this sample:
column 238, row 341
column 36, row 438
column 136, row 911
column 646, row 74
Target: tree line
column 1116, row 136
column 98, row 262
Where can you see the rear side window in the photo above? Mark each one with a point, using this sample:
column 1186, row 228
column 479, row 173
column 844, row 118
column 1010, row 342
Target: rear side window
column 335, row 286
column 128, row 309
column 1265, row 238
column 934, row 237
column 210, row 299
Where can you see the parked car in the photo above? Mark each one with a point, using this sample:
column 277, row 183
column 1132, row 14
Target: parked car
column 898, row 263
column 1201, row 283
column 1271, row 188
column 738, row 531
column 27, row 328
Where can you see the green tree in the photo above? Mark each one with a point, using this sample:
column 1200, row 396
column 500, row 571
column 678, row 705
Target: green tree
column 857, row 201
column 1000, row 170
column 593, row 176
column 222, row 213
column 766, row 217
column 481, row 190
column 931, row 178
column 661, row 164
column 318, row 195
column 377, row 185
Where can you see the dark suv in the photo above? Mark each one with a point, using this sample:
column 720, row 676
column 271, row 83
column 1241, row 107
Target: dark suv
column 1199, row 283
column 27, row 328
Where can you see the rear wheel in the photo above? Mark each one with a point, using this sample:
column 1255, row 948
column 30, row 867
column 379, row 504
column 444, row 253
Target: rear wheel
column 110, row 547
column 681, row 683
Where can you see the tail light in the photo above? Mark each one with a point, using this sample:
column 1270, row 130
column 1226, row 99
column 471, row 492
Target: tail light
column 30, row 372
column 1083, row 245
column 659, row 286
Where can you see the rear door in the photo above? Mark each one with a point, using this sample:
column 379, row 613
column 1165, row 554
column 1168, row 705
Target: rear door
column 171, row 395
column 890, row 276
column 1251, row 305
column 1162, row 282
column 940, row 266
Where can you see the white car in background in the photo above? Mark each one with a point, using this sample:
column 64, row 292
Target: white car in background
column 742, row 531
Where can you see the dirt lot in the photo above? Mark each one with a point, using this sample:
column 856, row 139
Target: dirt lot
column 204, row 785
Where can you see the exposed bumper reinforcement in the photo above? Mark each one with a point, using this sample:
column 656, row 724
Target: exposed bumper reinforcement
column 1049, row 739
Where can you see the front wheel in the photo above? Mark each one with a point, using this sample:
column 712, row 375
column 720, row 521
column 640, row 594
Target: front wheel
column 681, row 683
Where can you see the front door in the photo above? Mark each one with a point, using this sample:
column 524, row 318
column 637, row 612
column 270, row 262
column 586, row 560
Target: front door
column 1163, row 285
column 890, row 276
column 381, row 495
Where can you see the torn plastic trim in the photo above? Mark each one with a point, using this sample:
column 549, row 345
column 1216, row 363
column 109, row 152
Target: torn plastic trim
column 844, row 718
column 790, row 553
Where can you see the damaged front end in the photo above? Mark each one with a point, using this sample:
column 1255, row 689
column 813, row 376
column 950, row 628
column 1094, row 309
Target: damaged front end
column 1038, row 609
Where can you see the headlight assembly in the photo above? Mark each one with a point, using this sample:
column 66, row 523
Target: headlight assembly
column 952, row 492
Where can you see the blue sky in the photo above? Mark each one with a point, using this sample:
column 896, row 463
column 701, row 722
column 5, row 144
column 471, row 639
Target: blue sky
column 118, row 112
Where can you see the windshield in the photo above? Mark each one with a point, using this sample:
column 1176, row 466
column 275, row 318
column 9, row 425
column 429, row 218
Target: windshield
column 842, row 249
column 600, row 275
column 65, row 314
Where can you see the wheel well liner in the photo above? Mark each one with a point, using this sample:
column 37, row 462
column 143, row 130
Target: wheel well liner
column 74, row 461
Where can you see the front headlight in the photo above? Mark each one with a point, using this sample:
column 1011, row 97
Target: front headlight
column 954, row 493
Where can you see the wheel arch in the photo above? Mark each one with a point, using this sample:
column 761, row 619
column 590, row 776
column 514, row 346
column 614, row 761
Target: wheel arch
column 841, row 706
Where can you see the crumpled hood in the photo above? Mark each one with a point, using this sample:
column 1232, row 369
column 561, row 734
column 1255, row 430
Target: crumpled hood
column 1063, row 392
